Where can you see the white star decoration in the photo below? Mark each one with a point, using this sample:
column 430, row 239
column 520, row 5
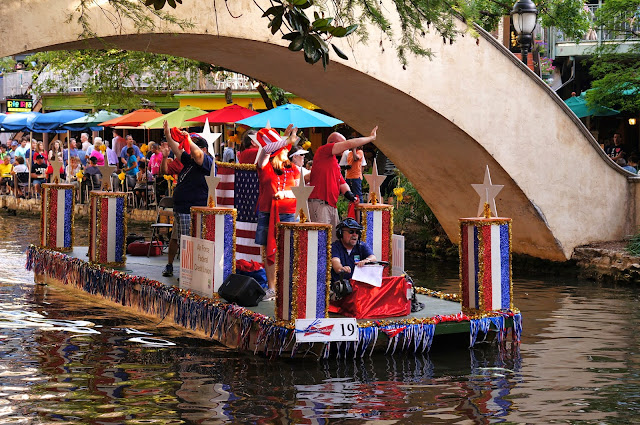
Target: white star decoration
column 209, row 137
column 302, row 192
column 375, row 180
column 106, row 171
column 488, row 193
column 212, row 183
column 56, row 166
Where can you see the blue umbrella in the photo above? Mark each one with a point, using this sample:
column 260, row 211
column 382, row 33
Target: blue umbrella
column 21, row 121
column 284, row 115
column 53, row 122
column 2, row 116
column 92, row 121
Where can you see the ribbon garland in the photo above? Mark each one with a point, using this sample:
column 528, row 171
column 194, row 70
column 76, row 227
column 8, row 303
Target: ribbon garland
column 217, row 318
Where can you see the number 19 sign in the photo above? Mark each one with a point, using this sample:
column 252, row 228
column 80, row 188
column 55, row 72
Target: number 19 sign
column 325, row 330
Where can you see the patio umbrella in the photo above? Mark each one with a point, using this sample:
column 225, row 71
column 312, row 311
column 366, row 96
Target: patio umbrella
column 20, row 121
column 132, row 119
column 91, row 121
column 177, row 118
column 2, row 116
column 284, row 115
column 578, row 104
column 52, row 122
column 227, row 115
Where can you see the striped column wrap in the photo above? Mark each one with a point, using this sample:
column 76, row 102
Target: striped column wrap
column 107, row 228
column 56, row 222
column 377, row 221
column 219, row 226
column 303, row 270
column 485, row 264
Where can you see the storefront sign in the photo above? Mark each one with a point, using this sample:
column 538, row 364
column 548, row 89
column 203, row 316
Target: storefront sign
column 19, row 105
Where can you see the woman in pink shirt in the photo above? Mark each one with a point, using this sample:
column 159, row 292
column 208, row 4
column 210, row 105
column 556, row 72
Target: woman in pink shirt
column 97, row 151
column 155, row 160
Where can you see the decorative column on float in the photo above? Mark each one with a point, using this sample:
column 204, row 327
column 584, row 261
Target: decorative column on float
column 303, row 264
column 377, row 221
column 485, row 255
column 107, row 228
column 218, row 225
column 56, row 222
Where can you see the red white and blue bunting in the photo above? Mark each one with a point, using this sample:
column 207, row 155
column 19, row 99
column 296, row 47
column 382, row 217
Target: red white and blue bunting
column 235, row 325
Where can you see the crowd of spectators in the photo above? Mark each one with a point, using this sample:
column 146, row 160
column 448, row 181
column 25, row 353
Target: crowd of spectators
column 616, row 151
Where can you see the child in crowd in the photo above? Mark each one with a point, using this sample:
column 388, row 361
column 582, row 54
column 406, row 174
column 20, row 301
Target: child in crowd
column 142, row 179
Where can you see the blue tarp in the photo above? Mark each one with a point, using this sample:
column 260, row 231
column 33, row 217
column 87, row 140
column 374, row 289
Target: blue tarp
column 53, row 122
column 21, row 121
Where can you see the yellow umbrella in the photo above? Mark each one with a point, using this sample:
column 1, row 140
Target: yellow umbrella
column 177, row 118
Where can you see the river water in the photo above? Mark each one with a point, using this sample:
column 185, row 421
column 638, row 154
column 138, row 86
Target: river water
column 63, row 361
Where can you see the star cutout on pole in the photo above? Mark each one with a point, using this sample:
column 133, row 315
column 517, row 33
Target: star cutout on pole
column 302, row 192
column 209, row 137
column 375, row 180
column 55, row 166
column 106, row 171
column 212, row 183
column 488, row 193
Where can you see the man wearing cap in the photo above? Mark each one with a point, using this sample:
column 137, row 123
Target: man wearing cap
column 276, row 201
column 327, row 180
column 296, row 155
column 347, row 251
column 12, row 152
column 191, row 190
column 38, row 173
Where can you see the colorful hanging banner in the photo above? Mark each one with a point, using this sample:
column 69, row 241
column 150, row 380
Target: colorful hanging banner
column 485, row 264
column 107, row 228
column 56, row 222
column 303, row 261
column 377, row 221
column 219, row 226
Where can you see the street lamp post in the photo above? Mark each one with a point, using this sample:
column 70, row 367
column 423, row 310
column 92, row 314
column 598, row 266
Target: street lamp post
column 524, row 15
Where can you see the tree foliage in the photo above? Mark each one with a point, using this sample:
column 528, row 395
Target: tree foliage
column 615, row 64
column 114, row 77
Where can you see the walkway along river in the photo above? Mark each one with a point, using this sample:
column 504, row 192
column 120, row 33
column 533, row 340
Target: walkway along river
column 66, row 361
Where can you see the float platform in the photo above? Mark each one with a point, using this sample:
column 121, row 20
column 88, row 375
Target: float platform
column 140, row 286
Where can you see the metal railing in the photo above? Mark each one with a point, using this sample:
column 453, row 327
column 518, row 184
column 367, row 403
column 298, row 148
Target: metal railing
column 625, row 24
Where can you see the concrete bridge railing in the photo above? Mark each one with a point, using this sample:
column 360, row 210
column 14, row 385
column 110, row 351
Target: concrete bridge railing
column 441, row 121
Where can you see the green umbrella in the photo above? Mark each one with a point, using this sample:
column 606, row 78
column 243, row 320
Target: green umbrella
column 177, row 118
column 578, row 105
column 90, row 120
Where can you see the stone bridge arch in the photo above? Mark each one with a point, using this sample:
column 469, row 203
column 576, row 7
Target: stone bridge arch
column 441, row 121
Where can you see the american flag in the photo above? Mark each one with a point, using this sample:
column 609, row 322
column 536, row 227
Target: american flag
column 238, row 188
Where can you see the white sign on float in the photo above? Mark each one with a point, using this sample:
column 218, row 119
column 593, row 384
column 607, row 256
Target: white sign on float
column 326, row 330
column 196, row 265
column 397, row 255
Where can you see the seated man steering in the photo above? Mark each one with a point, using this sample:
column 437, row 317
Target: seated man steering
column 347, row 251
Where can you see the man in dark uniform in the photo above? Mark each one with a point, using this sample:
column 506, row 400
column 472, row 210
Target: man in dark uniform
column 347, row 251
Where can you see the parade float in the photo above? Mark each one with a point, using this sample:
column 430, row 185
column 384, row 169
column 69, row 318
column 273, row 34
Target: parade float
column 300, row 321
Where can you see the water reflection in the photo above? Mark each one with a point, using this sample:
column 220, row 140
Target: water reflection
column 65, row 361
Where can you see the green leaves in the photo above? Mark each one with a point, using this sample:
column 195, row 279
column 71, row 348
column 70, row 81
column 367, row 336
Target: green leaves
column 313, row 38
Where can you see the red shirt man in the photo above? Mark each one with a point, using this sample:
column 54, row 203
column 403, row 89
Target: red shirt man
column 328, row 181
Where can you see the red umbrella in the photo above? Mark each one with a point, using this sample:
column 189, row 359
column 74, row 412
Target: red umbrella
column 228, row 114
column 133, row 119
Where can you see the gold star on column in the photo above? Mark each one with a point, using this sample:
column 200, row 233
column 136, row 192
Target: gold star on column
column 488, row 193
column 302, row 192
column 106, row 171
column 375, row 180
column 55, row 166
column 212, row 183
